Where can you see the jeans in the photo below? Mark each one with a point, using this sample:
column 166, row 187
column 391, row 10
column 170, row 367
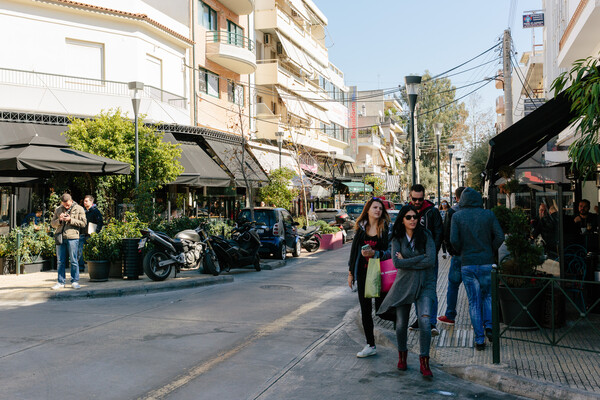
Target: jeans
column 454, row 281
column 82, row 240
column 425, row 304
column 68, row 249
column 478, row 281
column 434, row 306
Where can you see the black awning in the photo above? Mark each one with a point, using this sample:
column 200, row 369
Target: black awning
column 198, row 168
column 13, row 131
column 231, row 154
column 520, row 141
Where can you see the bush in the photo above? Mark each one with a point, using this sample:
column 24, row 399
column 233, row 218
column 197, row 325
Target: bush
column 175, row 225
column 326, row 228
column 108, row 243
column 36, row 242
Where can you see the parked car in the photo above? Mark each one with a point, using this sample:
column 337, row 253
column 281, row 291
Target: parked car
column 354, row 209
column 281, row 235
column 337, row 216
column 388, row 205
column 399, row 206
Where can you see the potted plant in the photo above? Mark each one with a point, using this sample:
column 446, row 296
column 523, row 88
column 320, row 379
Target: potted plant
column 35, row 249
column 332, row 236
column 521, row 264
column 98, row 251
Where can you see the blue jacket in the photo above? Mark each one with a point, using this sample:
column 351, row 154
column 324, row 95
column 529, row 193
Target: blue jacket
column 475, row 233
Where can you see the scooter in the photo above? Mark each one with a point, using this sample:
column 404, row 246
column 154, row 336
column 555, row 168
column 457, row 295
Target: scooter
column 241, row 250
column 310, row 238
column 190, row 248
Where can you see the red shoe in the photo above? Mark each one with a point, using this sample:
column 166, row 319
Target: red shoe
column 425, row 371
column 402, row 360
column 446, row 320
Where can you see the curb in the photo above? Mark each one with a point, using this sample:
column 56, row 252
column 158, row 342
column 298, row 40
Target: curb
column 496, row 379
column 271, row 265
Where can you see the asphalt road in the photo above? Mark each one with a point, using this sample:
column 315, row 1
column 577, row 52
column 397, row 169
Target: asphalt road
column 281, row 334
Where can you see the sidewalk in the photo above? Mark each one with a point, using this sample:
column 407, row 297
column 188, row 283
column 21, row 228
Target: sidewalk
column 526, row 369
column 36, row 286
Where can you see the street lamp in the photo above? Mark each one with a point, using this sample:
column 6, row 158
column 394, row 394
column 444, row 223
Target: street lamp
column 450, row 147
column 458, row 171
column 413, row 83
column 437, row 128
column 279, row 144
column 137, row 87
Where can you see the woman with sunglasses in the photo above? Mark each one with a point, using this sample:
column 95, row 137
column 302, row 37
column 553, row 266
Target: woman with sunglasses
column 370, row 241
column 413, row 253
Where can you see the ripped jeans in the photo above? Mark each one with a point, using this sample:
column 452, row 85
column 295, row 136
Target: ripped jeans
column 425, row 306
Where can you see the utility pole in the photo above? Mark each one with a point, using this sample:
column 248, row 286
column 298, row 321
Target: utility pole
column 507, row 70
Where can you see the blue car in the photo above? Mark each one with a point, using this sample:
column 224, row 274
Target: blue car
column 281, row 234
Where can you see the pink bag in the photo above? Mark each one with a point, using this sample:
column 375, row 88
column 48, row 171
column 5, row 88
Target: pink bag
column 388, row 274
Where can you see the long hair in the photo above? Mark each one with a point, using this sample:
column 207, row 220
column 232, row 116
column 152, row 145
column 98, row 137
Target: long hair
column 399, row 230
column 364, row 216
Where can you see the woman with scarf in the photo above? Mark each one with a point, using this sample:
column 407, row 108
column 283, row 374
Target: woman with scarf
column 370, row 241
column 413, row 253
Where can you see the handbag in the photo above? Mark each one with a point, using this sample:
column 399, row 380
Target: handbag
column 373, row 280
column 388, row 274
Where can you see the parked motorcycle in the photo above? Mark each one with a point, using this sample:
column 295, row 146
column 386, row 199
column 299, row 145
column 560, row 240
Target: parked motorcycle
column 310, row 238
column 241, row 250
column 190, row 248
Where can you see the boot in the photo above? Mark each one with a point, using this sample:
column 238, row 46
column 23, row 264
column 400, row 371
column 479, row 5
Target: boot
column 425, row 367
column 402, row 360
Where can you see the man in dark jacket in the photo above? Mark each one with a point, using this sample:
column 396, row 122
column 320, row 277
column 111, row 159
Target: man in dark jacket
column 430, row 218
column 476, row 235
column 454, row 275
column 94, row 224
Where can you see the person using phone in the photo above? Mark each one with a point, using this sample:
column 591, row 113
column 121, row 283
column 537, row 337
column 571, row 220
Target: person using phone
column 370, row 241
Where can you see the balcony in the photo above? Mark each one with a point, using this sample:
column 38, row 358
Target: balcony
column 232, row 51
column 372, row 140
column 70, row 95
column 580, row 37
column 239, row 7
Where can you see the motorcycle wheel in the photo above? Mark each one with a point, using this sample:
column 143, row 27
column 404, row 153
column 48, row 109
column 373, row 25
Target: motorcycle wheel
column 257, row 263
column 297, row 249
column 151, row 268
column 211, row 263
column 313, row 245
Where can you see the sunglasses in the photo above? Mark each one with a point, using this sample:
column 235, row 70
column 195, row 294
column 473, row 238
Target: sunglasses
column 409, row 217
column 417, row 198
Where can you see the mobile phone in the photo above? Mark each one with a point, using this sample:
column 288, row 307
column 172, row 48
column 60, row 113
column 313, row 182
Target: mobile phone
column 366, row 247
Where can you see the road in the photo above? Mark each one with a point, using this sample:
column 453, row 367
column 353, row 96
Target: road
column 281, row 334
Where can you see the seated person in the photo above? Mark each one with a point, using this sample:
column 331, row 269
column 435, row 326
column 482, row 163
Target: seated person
column 33, row 217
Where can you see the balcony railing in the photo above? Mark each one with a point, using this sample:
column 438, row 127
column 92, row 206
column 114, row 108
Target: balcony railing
column 225, row 37
column 84, row 85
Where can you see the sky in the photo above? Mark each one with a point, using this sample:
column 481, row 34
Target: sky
column 377, row 43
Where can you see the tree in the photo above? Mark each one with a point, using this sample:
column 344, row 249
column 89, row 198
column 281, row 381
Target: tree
column 584, row 94
column 378, row 184
column 278, row 193
column 476, row 161
column 110, row 134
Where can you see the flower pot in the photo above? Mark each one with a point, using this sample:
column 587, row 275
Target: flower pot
column 98, row 270
column 510, row 307
column 131, row 258
column 332, row 241
column 116, row 269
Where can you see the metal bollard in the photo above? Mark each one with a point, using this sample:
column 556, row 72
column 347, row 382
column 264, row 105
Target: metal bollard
column 495, row 317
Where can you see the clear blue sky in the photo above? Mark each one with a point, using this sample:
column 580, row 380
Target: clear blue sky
column 379, row 42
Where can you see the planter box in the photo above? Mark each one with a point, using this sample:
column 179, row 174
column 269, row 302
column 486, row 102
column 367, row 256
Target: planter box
column 7, row 266
column 332, row 241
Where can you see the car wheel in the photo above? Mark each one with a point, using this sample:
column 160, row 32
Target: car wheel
column 297, row 249
column 282, row 251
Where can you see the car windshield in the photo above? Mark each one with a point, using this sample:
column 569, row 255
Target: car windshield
column 266, row 217
column 326, row 214
column 354, row 208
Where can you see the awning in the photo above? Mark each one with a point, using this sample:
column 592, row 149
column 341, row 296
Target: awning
column 317, row 178
column 520, row 141
column 315, row 112
column 319, row 192
column 270, row 160
column 231, row 155
column 294, row 53
column 292, row 104
column 11, row 131
column 345, row 158
column 392, row 183
column 358, row 187
column 199, row 168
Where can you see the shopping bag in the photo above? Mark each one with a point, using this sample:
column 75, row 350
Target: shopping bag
column 388, row 274
column 373, row 280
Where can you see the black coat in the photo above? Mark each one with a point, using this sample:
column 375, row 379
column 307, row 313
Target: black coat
column 94, row 216
column 382, row 251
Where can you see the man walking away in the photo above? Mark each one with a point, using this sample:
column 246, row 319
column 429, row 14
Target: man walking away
column 94, row 225
column 476, row 235
column 454, row 275
column 430, row 219
column 68, row 220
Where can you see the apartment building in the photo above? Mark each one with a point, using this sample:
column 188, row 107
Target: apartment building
column 301, row 96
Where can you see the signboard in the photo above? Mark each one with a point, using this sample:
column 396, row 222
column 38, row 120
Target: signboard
column 353, row 124
column 534, row 20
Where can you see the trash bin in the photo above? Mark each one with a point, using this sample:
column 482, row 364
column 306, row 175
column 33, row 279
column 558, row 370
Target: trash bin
column 131, row 259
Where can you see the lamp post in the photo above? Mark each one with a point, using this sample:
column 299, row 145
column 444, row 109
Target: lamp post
column 462, row 171
column 458, row 171
column 450, row 147
column 332, row 155
column 137, row 87
column 437, row 128
column 412, row 90
column 279, row 144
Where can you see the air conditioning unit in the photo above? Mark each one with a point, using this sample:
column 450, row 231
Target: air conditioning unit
column 267, row 39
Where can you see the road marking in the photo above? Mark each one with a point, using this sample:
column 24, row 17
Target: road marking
column 268, row 329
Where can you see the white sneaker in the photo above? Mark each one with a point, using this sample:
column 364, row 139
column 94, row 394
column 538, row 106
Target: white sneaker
column 75, row 285
column 367, row 351
column 58, row 286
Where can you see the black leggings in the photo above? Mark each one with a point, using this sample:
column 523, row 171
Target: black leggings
column 366, row 306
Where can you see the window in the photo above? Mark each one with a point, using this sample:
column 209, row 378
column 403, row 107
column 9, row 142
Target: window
column 208, row 82
column 153, row 71
column 235, row 93
column 235, row 34
column 85, row 59
column 208, row 17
